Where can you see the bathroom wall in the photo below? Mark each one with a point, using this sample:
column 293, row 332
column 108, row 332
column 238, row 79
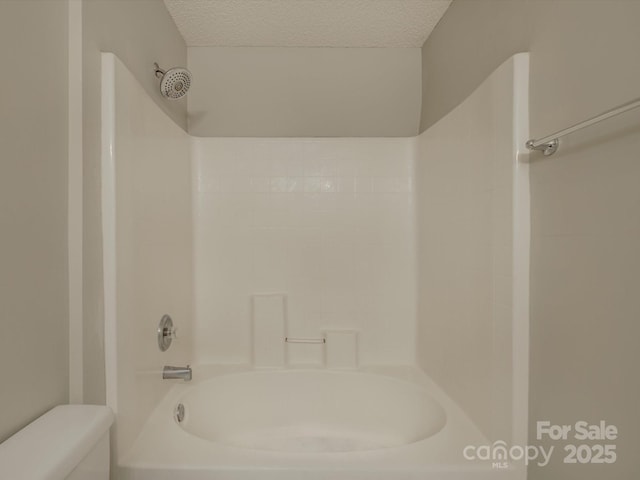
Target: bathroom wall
column 148, row 246
column 455, row 60
column 304, row 92
column 466, row 198
column 584, row 199
column 140, row 32
column 329, row 222
column 33, row 211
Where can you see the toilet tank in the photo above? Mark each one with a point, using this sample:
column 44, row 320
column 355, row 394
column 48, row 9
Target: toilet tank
column 70, row 442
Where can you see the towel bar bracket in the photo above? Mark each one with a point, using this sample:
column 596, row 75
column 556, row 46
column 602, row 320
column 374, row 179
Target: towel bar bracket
column 547, row 148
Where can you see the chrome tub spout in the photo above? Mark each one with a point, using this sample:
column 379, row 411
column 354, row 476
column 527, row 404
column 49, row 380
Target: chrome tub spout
column 171, row 373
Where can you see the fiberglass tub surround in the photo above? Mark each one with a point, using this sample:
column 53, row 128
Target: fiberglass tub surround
column 291, row 270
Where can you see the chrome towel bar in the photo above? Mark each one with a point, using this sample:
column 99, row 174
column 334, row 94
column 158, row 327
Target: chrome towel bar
column 549, row 144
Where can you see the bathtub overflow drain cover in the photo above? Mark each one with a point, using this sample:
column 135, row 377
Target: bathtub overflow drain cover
column 179, row 413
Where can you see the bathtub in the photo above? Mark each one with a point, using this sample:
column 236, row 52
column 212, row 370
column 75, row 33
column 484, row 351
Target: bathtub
column 240, row 424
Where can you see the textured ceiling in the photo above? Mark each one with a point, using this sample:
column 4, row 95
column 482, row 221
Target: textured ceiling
column 306, row 23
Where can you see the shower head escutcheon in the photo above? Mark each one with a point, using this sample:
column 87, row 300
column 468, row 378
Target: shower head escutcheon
column 174, row 83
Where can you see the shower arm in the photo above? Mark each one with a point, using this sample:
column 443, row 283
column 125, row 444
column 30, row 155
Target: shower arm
column 158, row 71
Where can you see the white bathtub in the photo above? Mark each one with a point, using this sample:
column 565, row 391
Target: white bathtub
column 311, row 411
column 306, row 424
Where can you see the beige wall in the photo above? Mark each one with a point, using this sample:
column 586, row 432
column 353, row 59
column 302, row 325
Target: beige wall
column 456, row 58
column 585, row 200
column 139, row 32
column 33, row 211
column 304, row 92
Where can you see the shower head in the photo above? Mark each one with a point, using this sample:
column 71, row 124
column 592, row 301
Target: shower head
column 174, row 83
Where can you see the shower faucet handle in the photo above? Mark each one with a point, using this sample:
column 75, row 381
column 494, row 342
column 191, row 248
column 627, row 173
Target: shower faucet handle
column 172, row 333
column 166, row 332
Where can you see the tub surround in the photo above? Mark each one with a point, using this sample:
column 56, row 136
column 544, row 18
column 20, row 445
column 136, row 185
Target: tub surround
column 147, row 247
column 473, row 251
column 304, row 253
column 341, row 349
column 269, row 330
column 139, row 32
column 328, row 222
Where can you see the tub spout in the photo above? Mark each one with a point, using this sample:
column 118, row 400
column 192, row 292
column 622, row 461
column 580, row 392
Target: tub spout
column 170, row 373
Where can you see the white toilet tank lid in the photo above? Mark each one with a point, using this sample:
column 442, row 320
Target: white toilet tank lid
column 50, row 447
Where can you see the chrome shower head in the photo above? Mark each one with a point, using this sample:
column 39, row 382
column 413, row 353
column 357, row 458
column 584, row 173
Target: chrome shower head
column 174, row 83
